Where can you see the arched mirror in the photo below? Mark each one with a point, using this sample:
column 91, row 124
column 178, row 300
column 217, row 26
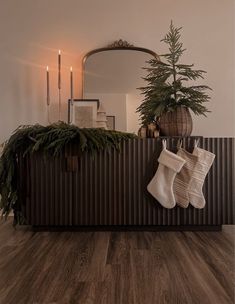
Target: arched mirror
column 112, row 75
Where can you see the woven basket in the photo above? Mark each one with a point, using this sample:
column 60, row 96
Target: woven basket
column 176, row 123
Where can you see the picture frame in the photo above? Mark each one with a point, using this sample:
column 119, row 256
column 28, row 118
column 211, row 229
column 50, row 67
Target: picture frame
column 83, row 112
column 110, row 122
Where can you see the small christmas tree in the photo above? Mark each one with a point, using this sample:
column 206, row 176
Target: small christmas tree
column 165, row 90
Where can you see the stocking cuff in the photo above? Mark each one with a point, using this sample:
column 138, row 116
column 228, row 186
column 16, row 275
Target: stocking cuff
column 206, row 157
column 171, row 160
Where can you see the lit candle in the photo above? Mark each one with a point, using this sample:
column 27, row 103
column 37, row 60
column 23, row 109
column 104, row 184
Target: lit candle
column 71, row 84
column 48, row 87
column 59, row 70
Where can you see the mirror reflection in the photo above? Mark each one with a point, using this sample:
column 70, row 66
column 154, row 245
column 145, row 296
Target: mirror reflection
column 113, row 76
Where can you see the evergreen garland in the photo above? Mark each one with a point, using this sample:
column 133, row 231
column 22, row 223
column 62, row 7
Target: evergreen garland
column 50, row 139
column 165, row 90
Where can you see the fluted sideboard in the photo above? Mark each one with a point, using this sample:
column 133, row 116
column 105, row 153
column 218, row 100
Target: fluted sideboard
column 108, row 190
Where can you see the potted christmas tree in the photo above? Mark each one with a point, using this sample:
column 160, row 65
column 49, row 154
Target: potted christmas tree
column 166, row 98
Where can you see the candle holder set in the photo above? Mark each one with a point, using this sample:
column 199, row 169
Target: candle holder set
column 59, row 88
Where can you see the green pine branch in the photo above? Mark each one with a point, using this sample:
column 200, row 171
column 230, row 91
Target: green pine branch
column 50, row 140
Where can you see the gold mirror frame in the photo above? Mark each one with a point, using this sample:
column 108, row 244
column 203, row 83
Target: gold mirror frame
column 116, row 45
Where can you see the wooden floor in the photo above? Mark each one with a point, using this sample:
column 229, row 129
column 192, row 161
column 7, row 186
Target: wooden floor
column 116, row 267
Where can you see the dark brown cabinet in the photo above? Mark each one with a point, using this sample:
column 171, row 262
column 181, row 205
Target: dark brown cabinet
column 109, row 188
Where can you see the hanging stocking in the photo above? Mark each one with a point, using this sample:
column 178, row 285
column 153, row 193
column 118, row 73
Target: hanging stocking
column 182, row 179
column 161, row 186
column 205, row 161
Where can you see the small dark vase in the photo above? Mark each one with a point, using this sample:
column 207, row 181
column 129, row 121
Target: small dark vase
column 176, row 123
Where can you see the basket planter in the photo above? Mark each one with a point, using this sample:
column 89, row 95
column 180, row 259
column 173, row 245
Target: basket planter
column 176, row 123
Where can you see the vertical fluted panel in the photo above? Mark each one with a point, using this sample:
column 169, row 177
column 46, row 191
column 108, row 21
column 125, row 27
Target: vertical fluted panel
column 109, row 188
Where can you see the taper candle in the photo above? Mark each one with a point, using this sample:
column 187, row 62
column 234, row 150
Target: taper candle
column 59, row 70
column 48, row 87
column 59, row 82
column 71, row 84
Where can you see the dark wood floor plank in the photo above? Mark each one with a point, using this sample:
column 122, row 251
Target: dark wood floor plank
column 95, row 270
column 171, row 278
column 119, row 248
column 144, row 239
column 116, row 267
column 200, row 275
column 121, row 280
column 219, row 262
column 33, row 260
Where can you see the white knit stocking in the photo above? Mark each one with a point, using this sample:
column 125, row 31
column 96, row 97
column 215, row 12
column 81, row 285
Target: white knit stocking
column 161, row 186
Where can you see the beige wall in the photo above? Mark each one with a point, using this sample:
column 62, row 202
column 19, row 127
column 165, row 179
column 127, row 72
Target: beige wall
column 31, row 32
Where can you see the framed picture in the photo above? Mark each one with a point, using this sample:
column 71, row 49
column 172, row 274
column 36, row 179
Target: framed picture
column 111, row 122
column 83, row 112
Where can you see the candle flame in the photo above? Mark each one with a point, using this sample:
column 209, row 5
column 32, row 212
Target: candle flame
column 47, row 68
column 71, row 69
column 59, row 52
